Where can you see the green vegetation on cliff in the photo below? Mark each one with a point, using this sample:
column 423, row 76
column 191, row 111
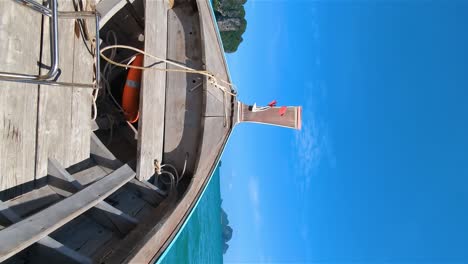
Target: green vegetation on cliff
column 230, row 15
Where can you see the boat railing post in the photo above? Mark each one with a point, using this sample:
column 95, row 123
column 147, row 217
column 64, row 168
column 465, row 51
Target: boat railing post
column 49, row 78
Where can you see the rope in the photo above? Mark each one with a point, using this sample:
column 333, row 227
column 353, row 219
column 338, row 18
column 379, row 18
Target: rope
column 174, row 177
column 212, row 79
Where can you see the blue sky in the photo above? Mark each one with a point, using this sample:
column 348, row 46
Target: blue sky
column 379, row 172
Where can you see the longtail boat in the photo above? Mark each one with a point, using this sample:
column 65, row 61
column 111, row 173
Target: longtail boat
column 84, row 180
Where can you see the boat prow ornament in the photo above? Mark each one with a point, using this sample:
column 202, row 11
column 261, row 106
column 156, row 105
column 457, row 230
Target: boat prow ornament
column 285, row 116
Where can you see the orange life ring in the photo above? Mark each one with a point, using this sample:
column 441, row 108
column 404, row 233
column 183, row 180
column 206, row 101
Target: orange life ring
column 131, row 92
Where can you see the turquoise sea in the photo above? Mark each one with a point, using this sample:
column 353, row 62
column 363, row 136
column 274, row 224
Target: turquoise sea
column 200, row 241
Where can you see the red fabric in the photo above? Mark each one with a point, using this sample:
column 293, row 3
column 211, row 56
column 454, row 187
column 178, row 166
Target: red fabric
column 282, row 110
column 272, row 103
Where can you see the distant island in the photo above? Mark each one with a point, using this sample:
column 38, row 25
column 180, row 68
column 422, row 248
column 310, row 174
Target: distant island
column 226, row 230
column 230, row 15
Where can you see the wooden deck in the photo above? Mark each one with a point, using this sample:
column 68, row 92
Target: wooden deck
column 41, row 122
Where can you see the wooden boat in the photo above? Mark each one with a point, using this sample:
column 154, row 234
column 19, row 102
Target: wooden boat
column 75, row 190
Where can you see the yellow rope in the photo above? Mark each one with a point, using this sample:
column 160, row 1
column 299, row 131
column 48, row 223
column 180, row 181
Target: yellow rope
column 211, row 77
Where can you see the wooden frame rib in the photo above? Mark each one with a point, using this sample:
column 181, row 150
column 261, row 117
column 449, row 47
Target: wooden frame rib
column 104, row 157
column 105, row 214
column 47, row 245
column 26, row 232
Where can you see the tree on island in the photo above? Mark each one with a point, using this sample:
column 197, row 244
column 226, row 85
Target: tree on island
column 230, row 15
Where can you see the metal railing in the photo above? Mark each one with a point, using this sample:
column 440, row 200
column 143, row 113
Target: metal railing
column 50, row 76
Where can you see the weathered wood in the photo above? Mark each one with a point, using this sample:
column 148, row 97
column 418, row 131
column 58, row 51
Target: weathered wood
column 127, row 202
column 102, row 155
column 59, row 179
column 54, row 125
column 184, row 106
column 8, row 213
column 213, row 53
column 30, row 230
column 213, row 140
column 83, row 65
column 51, row 251
column 33, row 201
column 86, row 237
column 215, row 105
column 146, row 191
column 20, row 33
column 103, row 212
column 152, row 94
column 143, row 189
column 47, row 246
column 126, row 248
column 94, row 126
column 90, row 175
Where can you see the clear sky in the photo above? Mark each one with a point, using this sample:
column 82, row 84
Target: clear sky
column 379, row 172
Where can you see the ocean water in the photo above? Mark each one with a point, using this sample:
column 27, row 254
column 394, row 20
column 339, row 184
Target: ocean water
column 200, row 240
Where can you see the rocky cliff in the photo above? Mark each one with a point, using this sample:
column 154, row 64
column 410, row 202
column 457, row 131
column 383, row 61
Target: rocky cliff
column 230, row 15
column 226, row 230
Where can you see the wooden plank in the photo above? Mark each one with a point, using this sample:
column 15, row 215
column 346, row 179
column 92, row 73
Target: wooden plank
column 94, row 126
column 47, row 246
column 127, row 202
column 8, row 213
column 55, row 103
column 30, row 230
column 33, row 201
column 103, row 212
column 86, row 237
column 184, row 106
column 102, row 155
column 123, row 251
column 144, row 189
column 212, row 47
column 90, row 175
column 152, row 94
column 81, row 97
column 58, row 177
column 19, row 52
column 52, row 251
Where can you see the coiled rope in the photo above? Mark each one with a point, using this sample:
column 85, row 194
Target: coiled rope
column 174, row 177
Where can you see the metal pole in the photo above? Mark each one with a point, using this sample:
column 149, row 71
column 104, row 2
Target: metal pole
column 98, row 52
column 48, row 12
column 54, row 56
column 55, row 83
column 48, row 78
column 54, row 53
